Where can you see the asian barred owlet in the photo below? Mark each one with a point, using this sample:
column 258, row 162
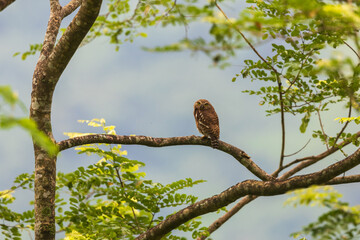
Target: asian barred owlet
column 207, row 121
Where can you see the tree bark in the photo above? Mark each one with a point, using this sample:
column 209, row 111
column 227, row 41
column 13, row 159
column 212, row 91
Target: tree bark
column 52, row 62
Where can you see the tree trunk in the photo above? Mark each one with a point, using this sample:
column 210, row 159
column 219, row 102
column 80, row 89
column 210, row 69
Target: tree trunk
column 53, row 59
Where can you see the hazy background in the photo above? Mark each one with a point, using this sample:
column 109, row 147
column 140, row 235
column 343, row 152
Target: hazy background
column 153, row 94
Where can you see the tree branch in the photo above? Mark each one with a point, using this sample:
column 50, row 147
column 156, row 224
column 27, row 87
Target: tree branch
column 351, row 48
column 220, row 221
column 73, row 35
column 307, row 161
column 237, row 153
column 345, row 126
column 249, row 198
column 70, row 8
column 342, row 180
column 250, row 187
column 282, row 115
column 5, row 3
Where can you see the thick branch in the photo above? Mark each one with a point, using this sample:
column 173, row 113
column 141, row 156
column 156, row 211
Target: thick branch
column 249, row 198
column 237, row 153
column 5, row 3
column 250, row 187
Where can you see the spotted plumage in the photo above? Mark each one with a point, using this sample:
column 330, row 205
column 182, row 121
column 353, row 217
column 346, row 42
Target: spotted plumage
column 207, row 121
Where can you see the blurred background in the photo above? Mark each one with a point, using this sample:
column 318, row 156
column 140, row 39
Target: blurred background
column 152, row 94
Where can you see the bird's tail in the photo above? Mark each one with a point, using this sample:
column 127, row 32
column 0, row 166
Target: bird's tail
column 214, row 142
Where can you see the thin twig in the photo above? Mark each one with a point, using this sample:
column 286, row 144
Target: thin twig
column 282, row 114
column 123, row 186
column 322, row 128
column 172, row 7
column 352, row 49
column 346, row 124
column 298, row 74
column 312, row 159
column 292, row 154
column 246, row 40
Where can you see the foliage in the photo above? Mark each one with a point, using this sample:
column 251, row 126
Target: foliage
column 34, row 48
column 340, row 222
column 311, row 65
column 9, row 101
column 110, row 199
column 20, row 221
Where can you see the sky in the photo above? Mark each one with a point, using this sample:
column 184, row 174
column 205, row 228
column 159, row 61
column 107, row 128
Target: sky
column 153, row 94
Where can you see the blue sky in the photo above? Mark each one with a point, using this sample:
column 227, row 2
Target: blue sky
column 153, row 94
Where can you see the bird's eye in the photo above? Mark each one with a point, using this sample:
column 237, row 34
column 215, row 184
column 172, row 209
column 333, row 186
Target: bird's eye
column 198, row 103
column 206, row 103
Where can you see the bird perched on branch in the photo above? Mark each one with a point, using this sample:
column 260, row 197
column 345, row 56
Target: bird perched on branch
column 207, row 121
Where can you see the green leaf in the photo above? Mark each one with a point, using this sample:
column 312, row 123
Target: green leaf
column 305, row 122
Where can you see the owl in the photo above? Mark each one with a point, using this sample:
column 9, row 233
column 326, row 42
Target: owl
column 207, row 121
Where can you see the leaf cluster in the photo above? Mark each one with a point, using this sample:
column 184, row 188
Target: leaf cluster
column 13, row 222
column 340, row 222
column 9, row 101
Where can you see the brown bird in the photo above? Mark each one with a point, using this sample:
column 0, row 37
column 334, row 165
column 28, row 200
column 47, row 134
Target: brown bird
column 207, row 121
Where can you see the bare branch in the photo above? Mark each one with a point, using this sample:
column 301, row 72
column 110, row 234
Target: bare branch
column 5, row 3
column 282, row 114
column 346, row 124
column 220, row 221
column 322, row 128
column 352, row 49
column 237, row 153
column 250, row 187
column 70, row 8
column 292, row 154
